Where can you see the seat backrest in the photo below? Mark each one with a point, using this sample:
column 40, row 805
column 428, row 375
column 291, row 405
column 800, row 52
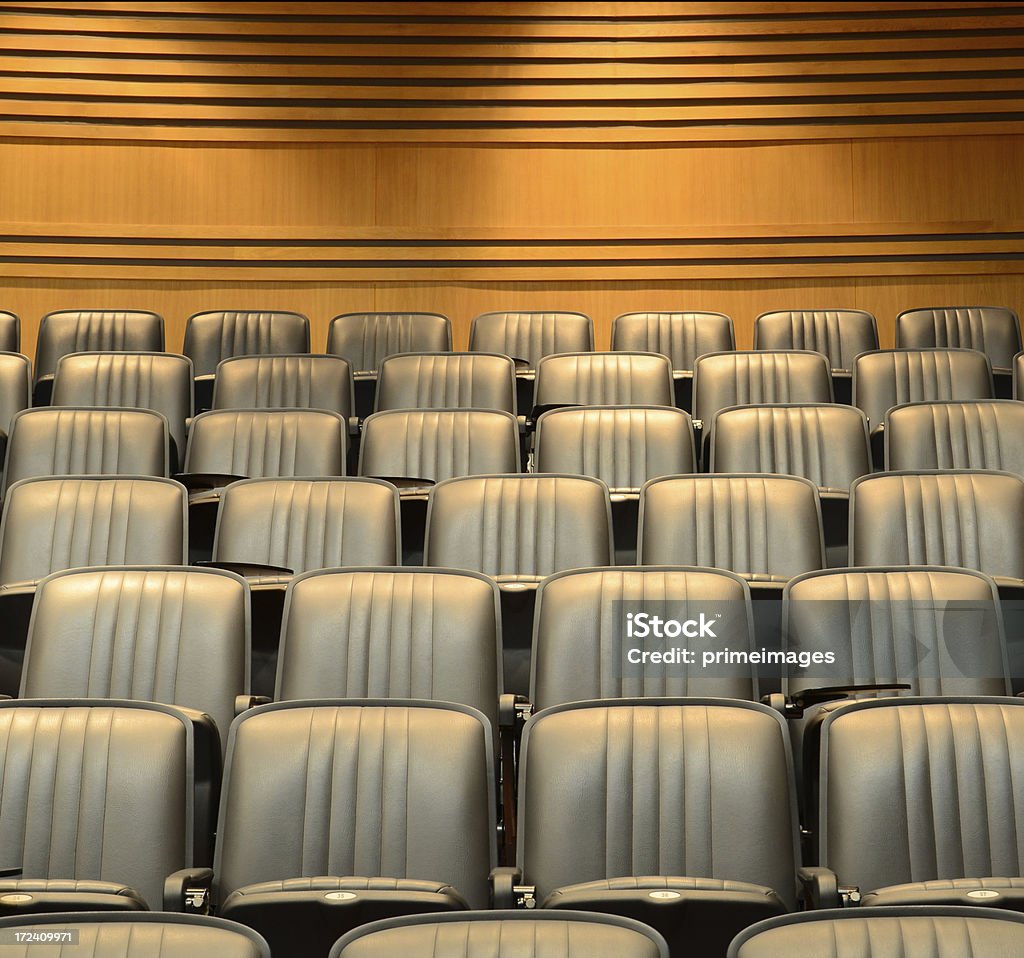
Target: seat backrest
column 521, row 526
column 284, row 382
column 88, row 330
column 10, row 332
column 219, row 334
column 364, row 339
column 15, row 386
column 531, row 334
column 891, row 377
column 50, row 524
column 399, row 790
column 680, row 336
column 622, row 445
column 647, row 779
column 977, row 434
column 157, row 634
column 303, row 524
column 160, row 381
column 939, row 630
column 968, row 519
column 1018, row 376
column 535, row 934
column 762, row 527
column 268, row 442
column 446, row 381
column 609, row 379
column 827, row 444
column 583, row 636
column 96, row 792
column 992, row 330
column 437, row 444
column 838, row 333
column 387, row 633
column 62, row 441
column 922, row 789
column 748, row 378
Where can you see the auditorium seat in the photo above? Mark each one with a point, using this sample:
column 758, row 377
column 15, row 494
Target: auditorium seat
column 10, row 332
column 504, row 934
column 82, row 331
column 1018, row 376
column 604, row 379
column 677, row 812
column 337, row 814
column 682, row 336
column 61, row 441
column 215, row 335
column 15, row 391
column 446, row 381
column 977, row 434
column 581, row 641
column 158, row 381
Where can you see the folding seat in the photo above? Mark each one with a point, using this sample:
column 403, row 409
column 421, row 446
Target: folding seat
column 504, row 934
column 364, row 339
column 841, row 334
column 978, row 434
column 1018, row 376
column 284, row 382
column 61, row 441
column 84, row 331
column 918, row 932
column 446, row 381
column 369, row 809
column 680, row 336
column 10, row 332
column 15, row 391
column 604, row 379
column 582, row 638
column 676, row 812
column 139, row 935
column 159, row 381
column 827, row 444
column 220, row 334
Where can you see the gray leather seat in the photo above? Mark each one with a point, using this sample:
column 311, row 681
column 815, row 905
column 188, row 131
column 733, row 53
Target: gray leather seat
column 606, row 379
column 446, row 381
column 141, row 935
column 359, row 811
column 682, row 336
column 364, row 339
column 15, row 387
column 978, row 434
column 677, row 812
column 1018, row 376
column 10, row 332
column 840, row 334
column 531, row 334
column 581, row 642
column 284, row 382
column 504, row 934
column 992, row 330
column 917, row 932
column 83, row 330
column 159, row 381
column 56, row 441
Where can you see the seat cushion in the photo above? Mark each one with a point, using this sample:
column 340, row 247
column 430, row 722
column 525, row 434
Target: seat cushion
column 997, row 892
column 329, row 883
column 66, row 894
column 659, row 883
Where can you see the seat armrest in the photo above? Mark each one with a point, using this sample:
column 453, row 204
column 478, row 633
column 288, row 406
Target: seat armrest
column 245, row 569
column 188, row 890
column 245, row 702
column 513, row 710
column 206, row 481
column 820, row 887
column 504, row 881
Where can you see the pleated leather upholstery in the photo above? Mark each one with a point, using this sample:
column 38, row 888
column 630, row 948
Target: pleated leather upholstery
column 10, row 332
column 213, row 336
column 519, row 525
column 838, row 333
column 992, row 330
column 891, row 377
column 751, row 378
column 61, row 441
column 437, row 444
column 15, row 386
column 983, row 434
column 284, row 382
column 63, row 523
column 95, row 793
column 268, row 442
column 358, row 790
column 680, row 336
column 827, row 444
column 968, row 519
column 580, row 642
column 530, row 335
column 364, row 339
column 446, row 381
column 938, row 630
column 693, row 789
column 758, row 526
column 303, row 524
column 84, row 330
column 918, row 790
column 415, row 633
column 611, row 379
column 157, row 634
column 623, row 446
